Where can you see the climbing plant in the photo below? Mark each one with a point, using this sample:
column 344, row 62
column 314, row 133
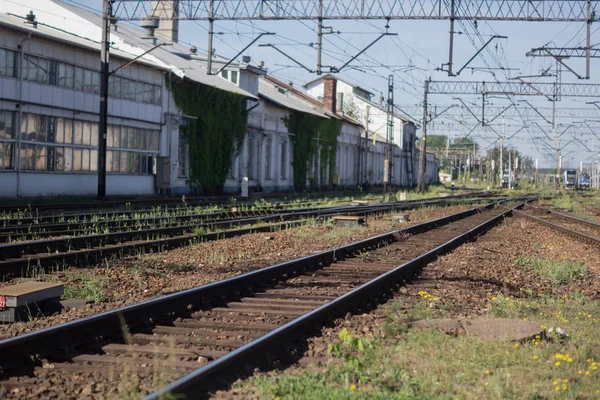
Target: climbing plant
column 307, row 129
column 217, row 133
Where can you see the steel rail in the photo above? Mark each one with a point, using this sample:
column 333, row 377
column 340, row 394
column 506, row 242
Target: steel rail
column 24, row 232
column 133, row 214
column 566, row 216
column 20, row 258
column 157, row 200
column 62, row 227
column 570, row 232
column 22, row 349
column 199, row 382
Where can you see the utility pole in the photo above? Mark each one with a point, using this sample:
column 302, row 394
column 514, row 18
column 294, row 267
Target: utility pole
column 501, row 151
column 388, row 184
column 103, row 121
column 537, row 165
column 211, row 22
column 588, row 39
column 451, row 51
column 320, row 37
column 366, row 150
column 510, row 170
column 423, row 165
column 556, row 139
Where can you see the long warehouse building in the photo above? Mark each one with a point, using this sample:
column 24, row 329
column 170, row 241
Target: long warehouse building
column 49, row 111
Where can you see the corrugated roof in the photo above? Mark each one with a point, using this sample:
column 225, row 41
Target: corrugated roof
column 80, row 27
column 287, row 99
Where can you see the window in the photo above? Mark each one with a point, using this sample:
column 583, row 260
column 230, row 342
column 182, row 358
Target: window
column 7, row 140
column 66, row 75
column 182, row 156
column 128, row 89
column 78, row 132
column 43, row 70
column 29, row 67
column 88, row 85
column 86, row 133
column 224, row 74
column 157, row 94
column 114, row 86
column 148, row 93
column 7, row 119
column 268, row 147
column 7, row 62
column 284, row 160
column 79, row 82
column 234, row 77
column 68, row 157
column 66, row 145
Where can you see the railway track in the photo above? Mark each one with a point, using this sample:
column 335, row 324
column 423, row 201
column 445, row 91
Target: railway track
column 580, row 228
column 30, row 217
column 84, row 224
column 31, row 257
column 136, row 202
column 216, row 331
column 591, row 208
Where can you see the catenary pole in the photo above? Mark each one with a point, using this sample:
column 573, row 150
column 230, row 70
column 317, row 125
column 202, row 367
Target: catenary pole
column 423, row 160
column 103, row 121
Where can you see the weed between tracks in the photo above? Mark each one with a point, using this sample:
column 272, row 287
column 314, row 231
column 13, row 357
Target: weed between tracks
column 556, row 271
column 86, row 285
column 405, row 363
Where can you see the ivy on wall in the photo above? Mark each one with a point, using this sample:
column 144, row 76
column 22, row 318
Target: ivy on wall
column 307, row 128
column 216, row 135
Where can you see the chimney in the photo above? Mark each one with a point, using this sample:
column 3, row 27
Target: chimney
column 330, row 94
column 168, row 29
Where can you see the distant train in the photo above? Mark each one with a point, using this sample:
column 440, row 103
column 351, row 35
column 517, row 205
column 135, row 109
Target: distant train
column 570, row 180
column 510, row 179
column 585, row 182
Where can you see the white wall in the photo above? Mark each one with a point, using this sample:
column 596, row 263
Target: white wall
column 34, row 184
column 54, row 101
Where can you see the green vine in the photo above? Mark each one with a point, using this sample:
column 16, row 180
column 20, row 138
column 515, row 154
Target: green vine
column 307, row 129
column 216, row 135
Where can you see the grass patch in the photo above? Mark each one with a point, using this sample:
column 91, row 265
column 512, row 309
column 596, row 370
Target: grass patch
column 428, row 364
column 564, row 202
column 556, row 271
column 86, row 286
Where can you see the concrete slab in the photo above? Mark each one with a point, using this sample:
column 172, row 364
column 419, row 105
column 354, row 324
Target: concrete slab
column 503, row 329
column 485, row 328
column 401, row 219
column 348, row 220
column 446, row 325
column 30, row 292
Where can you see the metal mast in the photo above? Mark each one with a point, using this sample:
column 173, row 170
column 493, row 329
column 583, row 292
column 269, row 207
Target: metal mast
column 388, row 184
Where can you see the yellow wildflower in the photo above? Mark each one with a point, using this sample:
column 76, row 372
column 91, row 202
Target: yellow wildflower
column 353, row 387
column 557, row 363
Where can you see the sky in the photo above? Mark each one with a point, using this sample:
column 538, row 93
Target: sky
column 415, row 53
